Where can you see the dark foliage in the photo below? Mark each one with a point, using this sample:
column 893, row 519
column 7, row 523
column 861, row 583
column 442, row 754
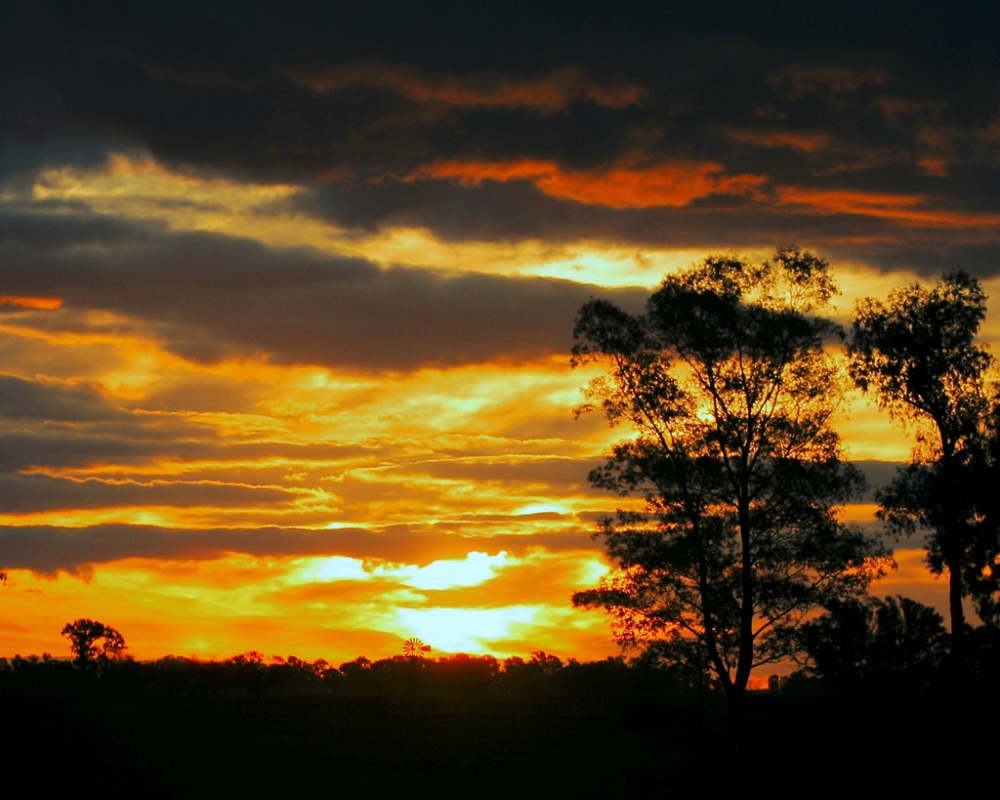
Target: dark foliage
column 885, row 647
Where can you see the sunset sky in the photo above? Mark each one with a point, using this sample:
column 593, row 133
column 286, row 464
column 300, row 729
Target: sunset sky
column 287, row 297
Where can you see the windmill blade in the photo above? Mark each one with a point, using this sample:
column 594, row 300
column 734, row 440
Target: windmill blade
column 415, row 648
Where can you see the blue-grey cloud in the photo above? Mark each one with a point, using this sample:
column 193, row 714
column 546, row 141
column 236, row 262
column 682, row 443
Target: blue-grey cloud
column 210, row 296
column 20, row 494
column 48, row 550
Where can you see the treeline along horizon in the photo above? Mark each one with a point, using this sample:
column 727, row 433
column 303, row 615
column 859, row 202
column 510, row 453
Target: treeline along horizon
column 250, row 726
column 890, row 648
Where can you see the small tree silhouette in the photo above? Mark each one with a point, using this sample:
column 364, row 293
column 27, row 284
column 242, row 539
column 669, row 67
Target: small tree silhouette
column 83, row 635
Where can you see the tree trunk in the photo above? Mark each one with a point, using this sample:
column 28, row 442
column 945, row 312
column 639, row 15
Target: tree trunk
column 745, row 663
column 955, row 594
column 953, row 551
column 737, row 697
column 952, row 546
column 736, row 707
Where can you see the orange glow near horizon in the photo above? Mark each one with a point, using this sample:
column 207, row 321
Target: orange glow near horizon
column 333, row 608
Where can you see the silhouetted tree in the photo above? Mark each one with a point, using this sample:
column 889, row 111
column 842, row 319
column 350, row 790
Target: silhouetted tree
column 984, row 658
column 890, row 646
column 728, row 388
column 536, row 676
column 462, row 674
column 83, row 635
column 983, row 572
column 917, row 355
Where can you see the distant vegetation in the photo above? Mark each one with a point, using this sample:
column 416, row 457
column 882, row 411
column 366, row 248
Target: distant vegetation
column 890, row 649
column 251, row 675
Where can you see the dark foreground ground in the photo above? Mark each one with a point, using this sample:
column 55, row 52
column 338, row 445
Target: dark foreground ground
column 316, row 744
column 348, row 747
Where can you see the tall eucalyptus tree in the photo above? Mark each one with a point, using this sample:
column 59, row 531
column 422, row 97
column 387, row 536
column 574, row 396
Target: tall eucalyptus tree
column 729, row 393
column 917, row 355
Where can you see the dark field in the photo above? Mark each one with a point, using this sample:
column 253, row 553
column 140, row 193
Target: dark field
column 193, row 747
column 219, row 731
column 288, row 745
column 338, row 747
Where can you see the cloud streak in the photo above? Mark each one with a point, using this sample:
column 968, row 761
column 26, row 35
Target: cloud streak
column 625, row 186
column 212, row 296
column 552, row 92
column 49, row 549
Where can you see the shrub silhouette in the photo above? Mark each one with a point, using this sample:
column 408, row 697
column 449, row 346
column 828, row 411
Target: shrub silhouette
column 895, row 645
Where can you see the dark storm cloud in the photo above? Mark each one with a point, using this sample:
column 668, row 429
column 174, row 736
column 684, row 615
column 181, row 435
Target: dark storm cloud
column 129, row 442
column 930, row 256
column 48, row 425
column 49, row 550
column 20, row 451
column 45, row 425
column 272, row 89
column 33, row 493
column 902, row 99
column 879, row 475
column 70, row 448
column 34, row 226
column 213, row 296
column 24, row 399
column 21, row 159
column 491, row 212
column 561, row 476
column 516, row 210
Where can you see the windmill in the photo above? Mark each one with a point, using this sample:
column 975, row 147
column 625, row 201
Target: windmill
column 414, row 648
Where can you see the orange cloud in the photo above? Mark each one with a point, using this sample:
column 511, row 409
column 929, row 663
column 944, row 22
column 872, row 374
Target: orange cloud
column 473, row 173
column 806, row 142
column 34, row 303
column 663, row 185
column 910, row 210
column 625, row 186
column 932, row 165
column 554, row 91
